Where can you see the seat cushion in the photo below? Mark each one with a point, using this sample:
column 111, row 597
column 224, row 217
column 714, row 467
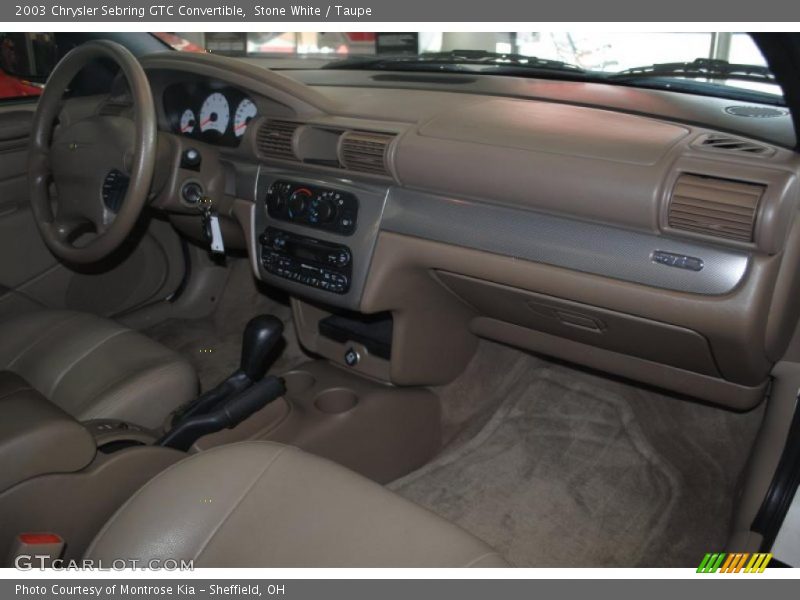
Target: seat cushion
column 261, row 504
column 94, row 368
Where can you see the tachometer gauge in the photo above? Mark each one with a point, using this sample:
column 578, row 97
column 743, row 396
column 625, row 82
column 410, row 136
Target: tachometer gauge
column 215, row 114
column 188, row 122
column 245, row 112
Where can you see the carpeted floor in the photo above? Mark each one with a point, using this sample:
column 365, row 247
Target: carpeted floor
column 213, row 345
column 558, row 467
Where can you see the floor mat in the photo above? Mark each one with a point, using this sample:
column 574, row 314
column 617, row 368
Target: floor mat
column 213, row 344
column 572, row 469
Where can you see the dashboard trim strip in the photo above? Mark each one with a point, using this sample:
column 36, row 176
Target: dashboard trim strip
column 587, row 247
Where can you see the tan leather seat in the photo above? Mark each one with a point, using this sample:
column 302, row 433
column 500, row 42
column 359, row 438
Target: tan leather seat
column 261, row 504
column 94, row 368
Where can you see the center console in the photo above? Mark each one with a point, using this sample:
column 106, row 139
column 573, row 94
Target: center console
column 63, row 476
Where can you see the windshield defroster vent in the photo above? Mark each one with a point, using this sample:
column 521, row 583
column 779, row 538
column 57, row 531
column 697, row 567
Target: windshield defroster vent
column 756, row 112
column 274, row 139
column 365, row 152
column 716, row 207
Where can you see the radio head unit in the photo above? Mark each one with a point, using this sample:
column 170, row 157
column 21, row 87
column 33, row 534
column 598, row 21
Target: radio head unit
column 309, row 261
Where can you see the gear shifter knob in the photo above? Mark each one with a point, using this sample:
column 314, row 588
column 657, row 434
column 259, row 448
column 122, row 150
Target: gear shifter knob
column 261, row 337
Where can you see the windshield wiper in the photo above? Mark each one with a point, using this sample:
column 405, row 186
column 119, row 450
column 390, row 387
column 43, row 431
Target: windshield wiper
column 699, row 68
column 453, row 58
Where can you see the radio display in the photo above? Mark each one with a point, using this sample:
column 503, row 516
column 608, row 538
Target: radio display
column 302, row 252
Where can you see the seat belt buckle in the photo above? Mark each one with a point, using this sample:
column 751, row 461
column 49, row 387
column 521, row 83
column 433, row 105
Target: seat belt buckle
column 38, row 550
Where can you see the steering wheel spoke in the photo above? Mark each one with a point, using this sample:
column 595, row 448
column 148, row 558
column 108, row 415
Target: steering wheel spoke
column 69, row 229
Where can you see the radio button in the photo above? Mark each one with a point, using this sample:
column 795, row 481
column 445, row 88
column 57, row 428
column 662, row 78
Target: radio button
column 339, row 259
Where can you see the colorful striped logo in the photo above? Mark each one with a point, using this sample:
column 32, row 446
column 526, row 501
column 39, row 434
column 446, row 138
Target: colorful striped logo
column 739, row 562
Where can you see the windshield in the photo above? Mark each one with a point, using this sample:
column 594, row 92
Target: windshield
column 714, row 63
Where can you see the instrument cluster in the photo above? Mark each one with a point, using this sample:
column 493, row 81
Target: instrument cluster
column 214, row 113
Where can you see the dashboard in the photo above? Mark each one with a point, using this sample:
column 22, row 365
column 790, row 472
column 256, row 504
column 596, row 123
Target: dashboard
column 644, row 245
column 209, row 111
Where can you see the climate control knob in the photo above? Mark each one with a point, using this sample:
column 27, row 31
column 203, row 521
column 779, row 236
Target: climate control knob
column 321, row 210
column 299, row 202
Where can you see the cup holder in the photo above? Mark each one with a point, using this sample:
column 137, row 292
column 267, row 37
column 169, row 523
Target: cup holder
column 336, row 401
column 298, row 382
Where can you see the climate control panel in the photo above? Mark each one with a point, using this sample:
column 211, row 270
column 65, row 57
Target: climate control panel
column 321, row 208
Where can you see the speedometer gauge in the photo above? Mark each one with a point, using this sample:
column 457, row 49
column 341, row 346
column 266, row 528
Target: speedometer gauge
column 188, row 121
column 245, row 112
column 215, row 114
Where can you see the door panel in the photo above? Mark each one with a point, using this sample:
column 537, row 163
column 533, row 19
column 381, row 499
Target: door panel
column 150, row 268
column 20, row 259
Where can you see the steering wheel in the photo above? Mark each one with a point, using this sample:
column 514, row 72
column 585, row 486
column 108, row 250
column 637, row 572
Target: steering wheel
column 80, row 157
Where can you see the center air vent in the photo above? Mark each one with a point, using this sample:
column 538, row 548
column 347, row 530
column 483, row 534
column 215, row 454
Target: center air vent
column 729, row 143
column 274, row 139
column 717, row 207
column 365, row 152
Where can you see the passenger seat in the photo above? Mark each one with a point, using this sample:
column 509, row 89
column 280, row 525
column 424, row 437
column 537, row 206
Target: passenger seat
column 261, row 504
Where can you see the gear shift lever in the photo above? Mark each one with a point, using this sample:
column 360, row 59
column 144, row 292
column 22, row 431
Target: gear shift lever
column 262, row 336
column 240, row 395
column 260, row 343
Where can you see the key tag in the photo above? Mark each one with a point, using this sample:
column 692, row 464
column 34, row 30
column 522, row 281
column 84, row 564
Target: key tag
column 211, row 227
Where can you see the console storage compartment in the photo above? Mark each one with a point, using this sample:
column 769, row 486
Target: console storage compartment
column 374, row 332
column 332, row 333
column 62, row 476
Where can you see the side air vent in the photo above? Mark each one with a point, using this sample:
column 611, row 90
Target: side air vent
column 274, row 139
column 727, row 143
column 713, row 206
column 365, row 152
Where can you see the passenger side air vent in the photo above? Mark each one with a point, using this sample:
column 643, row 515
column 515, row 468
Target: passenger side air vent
column 365, row 152
column 717, row 207
column 727, row 143
column 274, row 139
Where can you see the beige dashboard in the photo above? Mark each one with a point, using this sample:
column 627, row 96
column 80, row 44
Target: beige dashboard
column 657, row 250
